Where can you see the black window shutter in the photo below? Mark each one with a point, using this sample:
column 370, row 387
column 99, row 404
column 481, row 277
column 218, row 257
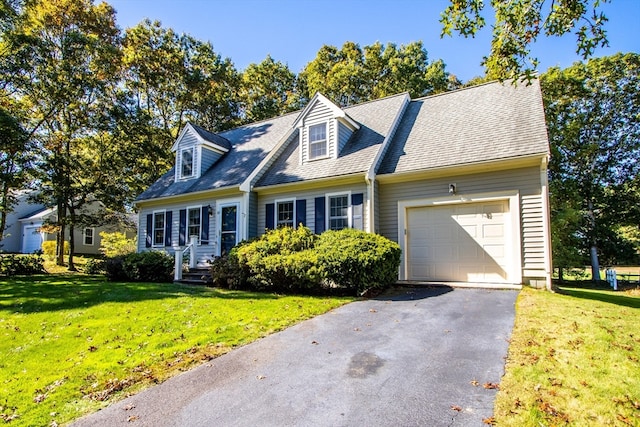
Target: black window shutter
column 319, row 207
column 204, row 230
column 149, row 242
column 301, row 212
column 270, row 216
column 182, row 229
column 356, row 209
column 168, row 219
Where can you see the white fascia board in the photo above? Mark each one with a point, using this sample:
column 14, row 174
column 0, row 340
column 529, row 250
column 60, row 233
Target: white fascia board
column 335, row 110
column 184, row 130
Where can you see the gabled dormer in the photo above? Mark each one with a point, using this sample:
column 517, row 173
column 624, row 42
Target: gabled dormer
column 323, row 129
column 196, row 151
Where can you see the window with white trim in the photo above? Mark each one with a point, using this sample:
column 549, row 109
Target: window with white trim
column 318, row 141
column 285, row 214
column 186, row 163
column 338, row 212
column 87, row 236
column 193, row 221
column 158, row 228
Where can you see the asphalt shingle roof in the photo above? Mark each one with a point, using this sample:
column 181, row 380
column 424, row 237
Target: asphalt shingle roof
column 248, row 146
column 481, row 123
column 375, row 119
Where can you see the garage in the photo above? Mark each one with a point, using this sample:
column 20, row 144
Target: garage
column 462, row 242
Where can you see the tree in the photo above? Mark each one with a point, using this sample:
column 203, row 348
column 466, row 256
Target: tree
column 64, row 58
column 268, row 90
column 518, row 24
column 352, row 75
column 594, row 131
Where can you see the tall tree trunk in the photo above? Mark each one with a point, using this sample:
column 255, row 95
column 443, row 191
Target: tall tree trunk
column 4, row 209
column 595, row 264
column 72, row 217
column 60, row 237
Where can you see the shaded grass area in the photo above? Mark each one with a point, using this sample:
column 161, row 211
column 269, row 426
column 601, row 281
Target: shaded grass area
column 573, row 360
column 71, row 344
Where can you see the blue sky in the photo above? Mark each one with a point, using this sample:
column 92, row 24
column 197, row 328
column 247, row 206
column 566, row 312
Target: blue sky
column 292, row 31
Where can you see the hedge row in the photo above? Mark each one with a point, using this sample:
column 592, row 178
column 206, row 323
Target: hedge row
column 14, row 265
column 152, row 266
column 297, row 260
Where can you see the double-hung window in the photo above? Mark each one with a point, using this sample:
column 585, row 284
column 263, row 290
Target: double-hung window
column 186, row 164
column 193, row 225
column 317, row 141
column 87, row 236
column 286, row 214
column 338, row 212
column 158, row 228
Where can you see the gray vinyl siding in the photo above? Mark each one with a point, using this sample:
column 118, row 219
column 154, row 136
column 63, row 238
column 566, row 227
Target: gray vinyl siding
column 203, row 252
column 319, row 114
column 209, row 157
column 344, row 133
column 526, row 181
column 309, row 196
column 253, row 218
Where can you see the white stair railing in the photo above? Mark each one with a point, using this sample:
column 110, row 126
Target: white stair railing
column 179, row 254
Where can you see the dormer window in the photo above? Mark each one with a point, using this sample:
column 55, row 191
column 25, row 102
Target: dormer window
column 186, row 165
column 318, row 141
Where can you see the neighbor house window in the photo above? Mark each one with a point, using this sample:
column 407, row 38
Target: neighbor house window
column 186, row 168
column 339, row 212
column 193, row 215
column 158, row 228
column 285, row 214
column 87, row 236
column 318, row 141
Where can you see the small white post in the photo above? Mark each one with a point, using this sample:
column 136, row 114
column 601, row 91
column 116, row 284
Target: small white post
column 192, row 252
column 177, row 268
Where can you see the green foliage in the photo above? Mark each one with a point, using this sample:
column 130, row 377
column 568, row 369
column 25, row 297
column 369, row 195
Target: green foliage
column 14, row 265
column 114, row 269
column 49, row 248
column 151, row 266
column 591, row 114
column 94, row 266
column 296, row 260
column 358, row 260
column 116, row 244
column 518, row 25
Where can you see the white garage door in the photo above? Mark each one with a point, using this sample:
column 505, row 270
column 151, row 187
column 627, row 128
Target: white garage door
column 32, row 239
column 463, row 242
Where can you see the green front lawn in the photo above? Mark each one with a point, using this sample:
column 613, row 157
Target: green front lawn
column 574, row 359
column 70, row 344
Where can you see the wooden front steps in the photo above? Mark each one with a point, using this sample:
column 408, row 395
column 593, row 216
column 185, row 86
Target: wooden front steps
column 196, row 276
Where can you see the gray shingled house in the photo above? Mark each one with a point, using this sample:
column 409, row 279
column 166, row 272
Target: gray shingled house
column 459, row 180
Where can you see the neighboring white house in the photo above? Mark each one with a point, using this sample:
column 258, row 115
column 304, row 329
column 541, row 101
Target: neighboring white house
column 458, row 179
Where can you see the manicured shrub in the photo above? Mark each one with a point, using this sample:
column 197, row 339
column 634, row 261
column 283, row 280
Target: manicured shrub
column 49, row 248
column 114, row 269
column 152, row 266
column 116, row 244
column 13, row 265
column 358, row 260
column 94, row 266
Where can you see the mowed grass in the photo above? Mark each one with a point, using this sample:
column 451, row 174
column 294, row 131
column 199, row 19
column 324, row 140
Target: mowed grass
column 574, row 359
column 72, row 344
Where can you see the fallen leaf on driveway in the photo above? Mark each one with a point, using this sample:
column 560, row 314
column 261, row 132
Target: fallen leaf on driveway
column 491, row 421
column 314, row 342
column 373, row 310
column 456, row 408
column 132, row 418
column 129, row 407
column 475, row 383
column 261, row 377
column 491, row 386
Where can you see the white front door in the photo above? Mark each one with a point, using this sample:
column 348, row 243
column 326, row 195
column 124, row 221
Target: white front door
column 31, row 239
column 228, row 227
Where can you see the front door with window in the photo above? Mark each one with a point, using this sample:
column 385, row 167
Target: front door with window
column 228, row 228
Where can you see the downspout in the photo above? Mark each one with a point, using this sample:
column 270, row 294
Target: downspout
column 546, row 226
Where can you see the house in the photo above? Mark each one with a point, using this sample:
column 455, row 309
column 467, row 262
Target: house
column 25, row 232
column 459, row 180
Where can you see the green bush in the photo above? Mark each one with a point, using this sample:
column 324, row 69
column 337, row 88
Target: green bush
column 49, row 248
column 116, row 244
column 114, row 269
column 152, row 266
column 12, row 265
column 358, row 260
column 94, row 266
column 296, row 260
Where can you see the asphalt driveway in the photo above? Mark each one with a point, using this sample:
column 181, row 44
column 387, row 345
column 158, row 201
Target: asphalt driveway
column 417, row 356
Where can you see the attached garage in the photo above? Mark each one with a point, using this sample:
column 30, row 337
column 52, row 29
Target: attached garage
column 467, row 241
